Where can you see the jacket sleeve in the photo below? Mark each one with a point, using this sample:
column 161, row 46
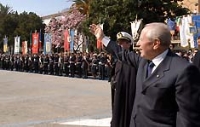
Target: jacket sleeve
column 129, row 57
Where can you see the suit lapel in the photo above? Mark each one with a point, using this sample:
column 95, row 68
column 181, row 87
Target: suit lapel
column 158, row 72
column 145, row 71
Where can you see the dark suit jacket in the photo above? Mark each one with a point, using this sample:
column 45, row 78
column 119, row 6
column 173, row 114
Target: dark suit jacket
column 196, row 59
column 170, row 97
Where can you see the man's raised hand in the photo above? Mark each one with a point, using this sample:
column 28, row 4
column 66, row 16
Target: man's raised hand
column 97, row 31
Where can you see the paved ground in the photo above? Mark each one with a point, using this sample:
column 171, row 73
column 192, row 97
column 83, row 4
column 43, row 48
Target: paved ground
column 36, row 100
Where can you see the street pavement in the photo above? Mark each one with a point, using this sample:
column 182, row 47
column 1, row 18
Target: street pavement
column 37, row 100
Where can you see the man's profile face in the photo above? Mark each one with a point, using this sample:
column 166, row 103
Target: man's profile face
column 145, row 46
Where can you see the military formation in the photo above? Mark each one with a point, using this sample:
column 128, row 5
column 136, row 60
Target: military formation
column 79, row 64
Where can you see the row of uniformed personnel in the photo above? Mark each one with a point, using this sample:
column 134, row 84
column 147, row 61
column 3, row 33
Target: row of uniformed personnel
column 63, row 64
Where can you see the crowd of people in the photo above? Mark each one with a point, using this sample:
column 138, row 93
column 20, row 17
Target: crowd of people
column 80, row 65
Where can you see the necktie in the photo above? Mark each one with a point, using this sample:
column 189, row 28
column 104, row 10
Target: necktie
column 150, row 68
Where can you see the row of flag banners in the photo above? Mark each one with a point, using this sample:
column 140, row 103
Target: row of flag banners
column 36, row 43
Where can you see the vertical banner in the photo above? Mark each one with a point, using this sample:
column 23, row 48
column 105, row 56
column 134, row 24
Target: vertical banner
column 72, row 32
column 86, row 40
column 183, row 32
column 17, row 45
column 66, row 40
column 24, row 47
column 80, row 42
column 135, row 26
column 35, row 42
column 5, row 44
column 47, row 43
column 196, row 29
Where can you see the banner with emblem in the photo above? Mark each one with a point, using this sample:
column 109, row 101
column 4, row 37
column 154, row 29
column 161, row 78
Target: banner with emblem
column 135, row 26
column 16, row 45
column 80, row 42
column 47, row 43
column 195, row 29
column 66, row 40
column 72, row 32
column 24, row 47
column 5, row 44
column 35, row 42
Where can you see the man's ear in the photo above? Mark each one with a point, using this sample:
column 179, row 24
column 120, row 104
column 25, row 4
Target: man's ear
column 156, row 44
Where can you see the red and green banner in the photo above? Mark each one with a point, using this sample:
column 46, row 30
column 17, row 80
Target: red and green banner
column 66, row 40
column 35, row 43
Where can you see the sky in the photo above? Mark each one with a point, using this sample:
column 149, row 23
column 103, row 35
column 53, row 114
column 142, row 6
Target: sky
column 40, row 7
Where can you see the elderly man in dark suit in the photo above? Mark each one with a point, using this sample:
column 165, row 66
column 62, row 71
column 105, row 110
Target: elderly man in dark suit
column 167, row 93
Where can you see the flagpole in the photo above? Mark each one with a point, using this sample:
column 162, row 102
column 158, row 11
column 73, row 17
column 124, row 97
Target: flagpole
column 40, row 41
column 30, row 44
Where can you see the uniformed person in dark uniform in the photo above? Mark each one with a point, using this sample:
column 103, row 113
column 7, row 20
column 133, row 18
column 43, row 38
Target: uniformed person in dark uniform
column 26, row 63
column 72, row 61
column 7, row 62
column 79, row 59
column 56, row 68
column 17, row 62
column 102, row 62
column 41, row 63
column 3, row 61
column 46, row 63
column 94, row 67
column 66, row 64
column 51, row 64
column 61, row 64
column 85, row 65
column 0, row 61
column 30, row 63
column 11, row 62
column 36, row 63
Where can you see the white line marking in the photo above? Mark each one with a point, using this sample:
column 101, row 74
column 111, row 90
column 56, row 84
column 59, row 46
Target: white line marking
column 105, row 122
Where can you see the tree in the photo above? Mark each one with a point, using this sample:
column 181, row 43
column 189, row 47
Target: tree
column 13, row 24
column 69, row 20
column 5, row 20
column 117, row 15
column 28, row 22
column 4, row 10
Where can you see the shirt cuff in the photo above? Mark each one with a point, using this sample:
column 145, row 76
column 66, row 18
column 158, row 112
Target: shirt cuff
column 105, row 40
